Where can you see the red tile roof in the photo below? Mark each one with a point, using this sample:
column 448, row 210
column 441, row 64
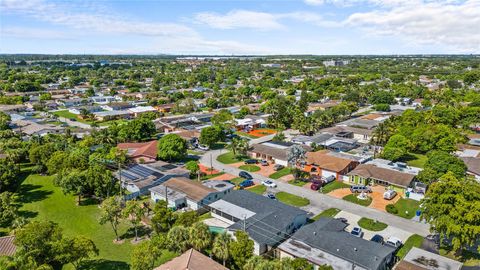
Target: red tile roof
column 191, row 260
column 146, row 149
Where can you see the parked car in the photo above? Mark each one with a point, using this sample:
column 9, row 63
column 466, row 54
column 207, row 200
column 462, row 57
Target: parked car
column 357, row 232
column 245, row 175
column 278, row 167
column 389, row 194
column 203, row 147
column 394, row 242
column 269, row 183
column 271, row 196
column 316, row 185
column 246, row 183
column 377, row 238
column 328, row 179
column 344, row 220
column 251, row 161
column 263, row 162
column 358, row 189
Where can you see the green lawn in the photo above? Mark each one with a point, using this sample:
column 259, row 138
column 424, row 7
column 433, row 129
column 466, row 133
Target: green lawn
column 334, row 185
column 468, row 258
column 414, row 240
column 249, row 168
column 259, row 189
column 407, row 207
column 416, row 160
column 209, row 176
column 69, row 115
column 229, row 158
column 353, row 198
column 280, row 173
column 237, row 180
column 291, row 199
column 372, row 225
column 43, row 201
column 298, row 183
column 331, row 212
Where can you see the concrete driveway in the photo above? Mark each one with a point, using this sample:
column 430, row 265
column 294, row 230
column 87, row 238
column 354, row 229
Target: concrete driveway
column 378, row 202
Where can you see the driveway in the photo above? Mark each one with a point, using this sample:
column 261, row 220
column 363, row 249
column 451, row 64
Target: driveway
column 318, row 201
column 378, row 202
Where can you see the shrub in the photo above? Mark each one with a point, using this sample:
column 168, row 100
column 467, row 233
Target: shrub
column 392, row 209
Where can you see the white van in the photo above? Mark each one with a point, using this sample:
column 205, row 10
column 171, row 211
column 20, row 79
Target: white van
column 389, row 194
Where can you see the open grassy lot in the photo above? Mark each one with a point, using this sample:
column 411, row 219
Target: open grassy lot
column 372, row 225
column 69, row 115
column 333, row 185
column 407, row 207
column 298, row 183
column 280, row 173
column 414, row 240
column 43, row 201
column 229, row 158
column 249, row 168
column 259, row 189
column 330, row 212
column 353, row 198
column 416, row 160
column 291, row 199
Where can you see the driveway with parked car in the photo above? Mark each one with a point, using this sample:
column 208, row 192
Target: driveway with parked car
column 377, row 194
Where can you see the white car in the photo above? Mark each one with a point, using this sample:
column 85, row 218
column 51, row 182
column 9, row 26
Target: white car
column 389, row 194
column 269, row 183
column 203, row 147
column 394, row 242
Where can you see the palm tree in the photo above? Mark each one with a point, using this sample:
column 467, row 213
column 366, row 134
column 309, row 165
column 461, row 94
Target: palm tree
column 177, row 239
column 220, row 247
column 200, row 237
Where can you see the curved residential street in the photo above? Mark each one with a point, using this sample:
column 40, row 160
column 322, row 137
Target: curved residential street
column 318, row 201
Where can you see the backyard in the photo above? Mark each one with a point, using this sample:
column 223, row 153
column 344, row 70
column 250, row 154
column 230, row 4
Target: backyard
column 43, row 201
column 291, row 199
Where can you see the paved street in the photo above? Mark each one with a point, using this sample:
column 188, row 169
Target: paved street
column 318, row 201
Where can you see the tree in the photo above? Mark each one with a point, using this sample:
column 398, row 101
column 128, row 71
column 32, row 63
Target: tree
column 194, row 169
column 396, row 147
column 451, row 206
column 221, row 247
column 57, row 161
column 177, row 239
column 224, row 119
column 241, row 249
column 200, row 237
column 8, row 208
column 438, row 163
column 239, row 146
column 9, row 173
column 144, row 255
column 40, row 154
column 134, row 212
column 211, row 135
column 295, row 156
column 74, row 182
column 139, row 129
column 163, row 218
column 172, row 147
column 186, row 219
column 299, row 264
column 111, row 212
column 382, row 107
column 75, row 250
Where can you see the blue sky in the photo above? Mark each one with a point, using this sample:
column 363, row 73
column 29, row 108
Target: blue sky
column 240, row 27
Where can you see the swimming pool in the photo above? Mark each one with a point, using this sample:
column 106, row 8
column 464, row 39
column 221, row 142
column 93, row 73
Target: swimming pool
column 215, row 229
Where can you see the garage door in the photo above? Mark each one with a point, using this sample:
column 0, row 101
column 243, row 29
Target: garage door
column 326, row 173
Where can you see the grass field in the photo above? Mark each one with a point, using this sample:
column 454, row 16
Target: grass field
column 229, row 158
column 407, row 207
column 372, row 225
column 298, row 183
column 353, row 198
column 43, row 201
column 280, row 173
column 237, row 180
column 69, row 115
column 259, row 189
column 291, row 199
column 330, row 212
column 249, row 168
column 414, row 240
column 334, row 185
column 416, row 160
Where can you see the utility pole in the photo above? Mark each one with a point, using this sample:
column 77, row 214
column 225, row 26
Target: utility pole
column 244, row 222
column 166, row 195
column 211, row 164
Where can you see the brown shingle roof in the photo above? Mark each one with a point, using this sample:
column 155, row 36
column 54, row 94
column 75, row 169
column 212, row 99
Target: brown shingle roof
column 191, row 260
column 147, row 149
column 383, row 174
column 325, row 161
column 277, row 153
column 193, row 189
column 7, row 248
column 473, row 164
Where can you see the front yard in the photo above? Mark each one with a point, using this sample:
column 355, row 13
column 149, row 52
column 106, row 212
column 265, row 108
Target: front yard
column 229, row 158
column 280, row 173
column 291, row 199
column 249, row 168
column 258, row 189
column 333, row 186
column 414, row 240
column 372, row 225
column 406, row 208
column 298, row 183
column 331, row 212
column 353, row 198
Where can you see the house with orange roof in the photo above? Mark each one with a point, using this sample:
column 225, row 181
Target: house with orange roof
column 325, row 164
column 144, row 152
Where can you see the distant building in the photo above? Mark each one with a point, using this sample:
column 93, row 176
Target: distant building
column 191, row 260
column 275, row 152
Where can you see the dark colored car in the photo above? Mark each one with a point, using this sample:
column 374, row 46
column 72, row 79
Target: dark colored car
column 251, row 161
column 316, row 185
column 245, row 175
column 263, row 162
column 246, row 183
column 344, row 220
column 271, row 196
column 377, row 238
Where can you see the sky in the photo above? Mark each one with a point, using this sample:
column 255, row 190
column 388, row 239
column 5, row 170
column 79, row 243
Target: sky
column 243, row 27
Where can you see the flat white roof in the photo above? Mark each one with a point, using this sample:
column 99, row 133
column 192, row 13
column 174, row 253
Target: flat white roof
column 140, row 109
column 422, row 258
column 232, row 209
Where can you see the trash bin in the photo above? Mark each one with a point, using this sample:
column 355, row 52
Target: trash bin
column 418, row 213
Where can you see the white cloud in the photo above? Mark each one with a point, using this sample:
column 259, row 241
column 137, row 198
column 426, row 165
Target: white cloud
column 453, row 24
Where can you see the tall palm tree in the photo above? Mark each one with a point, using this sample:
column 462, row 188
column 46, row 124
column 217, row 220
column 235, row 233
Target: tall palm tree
column 200, row 236
column 220, row 247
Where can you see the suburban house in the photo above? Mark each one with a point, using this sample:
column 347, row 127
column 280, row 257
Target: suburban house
column 271, row 151
column 320, row 106
column 250, row 122
column 7, row 247
column 90, row 109
column 342, row 141
column 137, row 179
column 137, row 111
column 473, row 166
column 103, row 99
column 191, row 260
column 325, row 242
column 144, row 152
column 112, row 115
column 397, row 176
column 419, row 259
column 30, row 128
column 326, row 165
column 267, row 222
column 181, row 192
column 165, row 108
column 72, row 102
column 117, row 106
